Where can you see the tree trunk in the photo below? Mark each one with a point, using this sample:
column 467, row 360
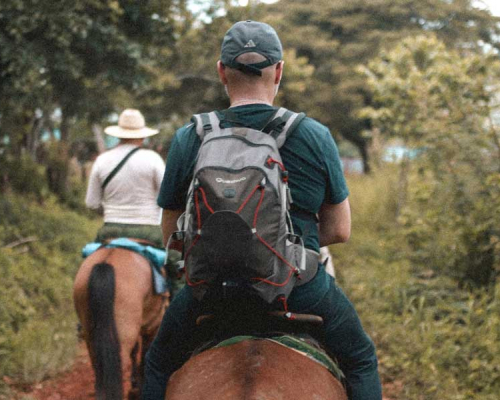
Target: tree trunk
column 362, row 144
column 58, row 161
column 34, row 135
column 64, row 128
column 363, row 150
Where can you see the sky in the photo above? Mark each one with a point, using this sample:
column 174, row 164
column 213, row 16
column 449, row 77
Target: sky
column 245, row 2
column 492, row 5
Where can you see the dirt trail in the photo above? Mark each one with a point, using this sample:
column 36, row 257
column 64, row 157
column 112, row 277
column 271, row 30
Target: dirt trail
column 75, row 384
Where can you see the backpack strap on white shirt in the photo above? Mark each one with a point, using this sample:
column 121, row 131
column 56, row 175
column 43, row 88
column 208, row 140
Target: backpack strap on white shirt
column 118, row 167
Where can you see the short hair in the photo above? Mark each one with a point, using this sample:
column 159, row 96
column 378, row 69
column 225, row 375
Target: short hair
column 241, row 76
column 250, row 58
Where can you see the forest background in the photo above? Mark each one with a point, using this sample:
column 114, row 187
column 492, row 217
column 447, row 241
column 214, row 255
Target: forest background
column 422, row 75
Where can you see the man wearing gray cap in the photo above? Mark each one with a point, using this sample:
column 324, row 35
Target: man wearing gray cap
column 251, row 68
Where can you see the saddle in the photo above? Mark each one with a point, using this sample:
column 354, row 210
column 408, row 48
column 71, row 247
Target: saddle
column 297, row 332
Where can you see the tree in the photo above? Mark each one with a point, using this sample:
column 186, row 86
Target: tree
column 335, row 36
column 69, row 60
column 442, row 103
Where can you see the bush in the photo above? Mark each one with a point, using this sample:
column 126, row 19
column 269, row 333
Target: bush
column 442, row 102
column 434, row 339
column 40, row 251
column 23, row 175
column 450, row 226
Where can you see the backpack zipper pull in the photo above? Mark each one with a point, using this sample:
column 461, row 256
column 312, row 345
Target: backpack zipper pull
column 289, row 195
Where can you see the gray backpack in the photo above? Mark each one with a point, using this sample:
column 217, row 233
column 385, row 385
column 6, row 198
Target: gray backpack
column 237, row 230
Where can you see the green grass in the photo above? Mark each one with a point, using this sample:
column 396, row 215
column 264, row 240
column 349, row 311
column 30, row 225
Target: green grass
column 435, row 340
column 40, row 251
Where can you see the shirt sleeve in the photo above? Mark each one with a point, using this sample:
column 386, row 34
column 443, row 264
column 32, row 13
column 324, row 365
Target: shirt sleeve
column 336, row 190
column 179, row 169
column 93, row 198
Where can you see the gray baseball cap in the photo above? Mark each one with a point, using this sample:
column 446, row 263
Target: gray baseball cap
column 251, row 37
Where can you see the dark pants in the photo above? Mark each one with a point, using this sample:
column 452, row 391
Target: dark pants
column 343, row 337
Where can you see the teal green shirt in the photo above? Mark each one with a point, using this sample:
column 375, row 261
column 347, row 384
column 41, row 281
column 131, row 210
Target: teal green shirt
column 309, row 154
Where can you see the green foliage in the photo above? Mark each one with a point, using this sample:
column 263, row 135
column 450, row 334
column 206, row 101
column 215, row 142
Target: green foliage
column 451, row 228
column 434, row 340
column 324, row 42
column 80, row 52
column 335, row 36
column 71, row 62
column 40, row 181
column 69, row 67
column 442, row 103
column 24, row 176
column 40, row 249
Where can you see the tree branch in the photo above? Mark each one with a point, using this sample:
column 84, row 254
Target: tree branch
column 20, row 242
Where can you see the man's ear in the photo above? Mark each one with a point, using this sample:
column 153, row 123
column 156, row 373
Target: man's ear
column 221, row 70
column 279, row 72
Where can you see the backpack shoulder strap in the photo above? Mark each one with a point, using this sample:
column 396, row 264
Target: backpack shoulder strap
column 118, row 167
column 282, row 124
column 206, row 123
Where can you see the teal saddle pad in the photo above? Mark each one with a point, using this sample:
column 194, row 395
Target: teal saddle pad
column 155, row 256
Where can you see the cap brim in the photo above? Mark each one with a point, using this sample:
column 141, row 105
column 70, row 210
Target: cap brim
column 121, row 133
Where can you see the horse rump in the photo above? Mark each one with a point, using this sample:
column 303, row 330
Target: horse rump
column 253, row 369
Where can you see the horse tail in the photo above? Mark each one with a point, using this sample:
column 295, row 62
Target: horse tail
column 103, row 334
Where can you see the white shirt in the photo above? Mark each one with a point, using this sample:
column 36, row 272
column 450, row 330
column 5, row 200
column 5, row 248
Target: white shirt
column 130, row 197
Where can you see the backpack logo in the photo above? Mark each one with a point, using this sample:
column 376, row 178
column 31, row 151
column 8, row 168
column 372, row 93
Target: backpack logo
column 220, row 180
column 250, row 44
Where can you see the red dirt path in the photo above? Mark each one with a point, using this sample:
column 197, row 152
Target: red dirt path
column 75, row 384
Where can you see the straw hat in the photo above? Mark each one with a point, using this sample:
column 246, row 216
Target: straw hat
column 131, row 125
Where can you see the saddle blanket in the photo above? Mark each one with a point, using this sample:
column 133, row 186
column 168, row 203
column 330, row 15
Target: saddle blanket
column 296, row 344
column 155, row 256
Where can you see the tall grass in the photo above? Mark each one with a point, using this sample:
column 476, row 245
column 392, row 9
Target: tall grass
column 434, row 340
column 40, row 251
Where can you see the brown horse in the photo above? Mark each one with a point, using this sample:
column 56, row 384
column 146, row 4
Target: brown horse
column 120, row 315
column 253, row 370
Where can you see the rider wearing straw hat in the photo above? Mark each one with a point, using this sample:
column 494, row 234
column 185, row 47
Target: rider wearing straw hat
column 125, row 180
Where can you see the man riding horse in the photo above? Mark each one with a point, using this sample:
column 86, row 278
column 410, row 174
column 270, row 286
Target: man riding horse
column 120, row 292
column 125, row 180
column 251, row 69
